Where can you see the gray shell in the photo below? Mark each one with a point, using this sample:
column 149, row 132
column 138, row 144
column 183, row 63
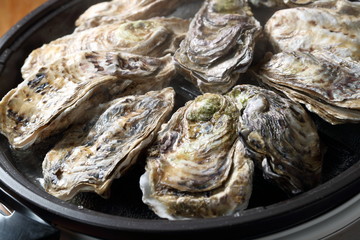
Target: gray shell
column 281, row 137
column 219, row 45
column 293, row 3
column 196, row 167
column 62, row 92
column 91, row 155
column 326, row 84
column 155, row 37
column 307, row 29
column 116, row 11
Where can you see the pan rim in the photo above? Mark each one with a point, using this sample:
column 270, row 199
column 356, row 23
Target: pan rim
column 55, row 210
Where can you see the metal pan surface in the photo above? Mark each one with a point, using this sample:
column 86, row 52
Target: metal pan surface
column 124, row 213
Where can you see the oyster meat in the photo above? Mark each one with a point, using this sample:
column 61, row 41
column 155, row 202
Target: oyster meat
column 281, row 137
column 326, row 84
column 154, row 37
column 62, row 92
column 307, row 29
column 219, row 45
column 196, row 167
column 91, row 156
column 116, row 11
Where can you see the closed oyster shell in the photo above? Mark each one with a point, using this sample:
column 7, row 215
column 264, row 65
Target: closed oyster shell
column 219, row 45
column 281, row 136
column 196, row 168
column 92, row 155
column 327, row 84
column 154, row 37
column 307, row 29
column 293, row 3
column 62, row 92
column 116, row 11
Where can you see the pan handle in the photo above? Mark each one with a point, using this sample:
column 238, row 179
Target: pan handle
column 22, row 223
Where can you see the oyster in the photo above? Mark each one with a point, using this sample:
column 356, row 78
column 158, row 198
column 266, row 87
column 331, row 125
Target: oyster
column 326, row 84
column 61, row 92
column 219, row 45
column 281, row 136
column 116, row 11
column 293, row 3
column 196, row 168
column 154, row 37
column 91, row 156
column 307, row 29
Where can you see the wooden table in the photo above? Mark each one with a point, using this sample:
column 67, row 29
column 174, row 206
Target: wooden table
column 11, row 11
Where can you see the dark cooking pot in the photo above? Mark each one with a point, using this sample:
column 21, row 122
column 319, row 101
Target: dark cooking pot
column 124, row 215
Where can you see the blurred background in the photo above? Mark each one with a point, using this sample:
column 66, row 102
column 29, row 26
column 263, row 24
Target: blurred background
column 11, row 11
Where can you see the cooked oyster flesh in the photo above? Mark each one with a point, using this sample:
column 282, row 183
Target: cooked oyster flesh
column 329, row 85
column 91, row 156
column 196, row 168
column 282, row 137
column 62, row 92
column 116, row 11
column 154, row 37
column 308, row 29
column 219, row 45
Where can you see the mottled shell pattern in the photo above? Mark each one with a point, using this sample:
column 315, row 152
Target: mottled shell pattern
column 59, row 94
column 155, row 37
column 219, row 45
column 326, row 84
column 281, row 137
column 318, row 58
column 307, row 29
column 116, row 11
column 106, row 84
column 90, row 156
column 197, row 168
column 291, row 3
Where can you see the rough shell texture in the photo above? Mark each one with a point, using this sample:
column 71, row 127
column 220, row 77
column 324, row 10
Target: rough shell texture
column 116, row 11
column 293, row 3
column 62, row 92
column 281, row 136
column 196, row 168
column 154, row 37
column 307, row 29
column 219, row 45
column 327, row 84
column 90, row 156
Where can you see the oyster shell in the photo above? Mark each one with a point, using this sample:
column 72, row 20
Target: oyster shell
column 196, row 168
column 154, row 37
column 91, row 156
column 293, row 3
column 281, row 136
column 307, row 29
column 116, row 11
column 326, row 84
column 219, row 45
column 61, row 93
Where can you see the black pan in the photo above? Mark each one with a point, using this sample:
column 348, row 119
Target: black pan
column 124, row 214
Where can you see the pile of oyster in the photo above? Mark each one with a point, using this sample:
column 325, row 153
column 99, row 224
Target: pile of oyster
column 106, row 88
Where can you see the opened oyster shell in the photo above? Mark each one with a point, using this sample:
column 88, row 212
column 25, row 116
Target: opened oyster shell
column 92, row 155
column 326, row 84
column 116, row 11
column 62, row 92
column 281, row 137
column 307, row 29
column 196, row 168
column 154, row 37
column 219, row 45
